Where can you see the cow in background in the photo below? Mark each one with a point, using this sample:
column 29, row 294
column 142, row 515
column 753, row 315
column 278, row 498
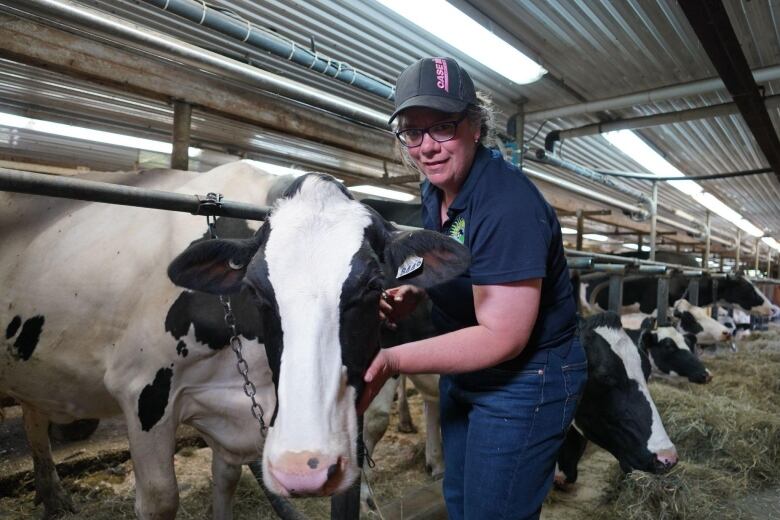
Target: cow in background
column 94, row 327
column 616, row 411
column 670, row 350
column 692, row 319
column 733, row 291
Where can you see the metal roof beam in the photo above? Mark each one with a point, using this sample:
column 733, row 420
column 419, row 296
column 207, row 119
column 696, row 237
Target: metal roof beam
column 647, row 97
column 711, row 23
column 665, row 118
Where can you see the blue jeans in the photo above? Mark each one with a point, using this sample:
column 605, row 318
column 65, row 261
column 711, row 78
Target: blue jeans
column 502, row 430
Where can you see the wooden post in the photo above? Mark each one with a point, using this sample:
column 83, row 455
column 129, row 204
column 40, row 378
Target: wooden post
column 182, row 116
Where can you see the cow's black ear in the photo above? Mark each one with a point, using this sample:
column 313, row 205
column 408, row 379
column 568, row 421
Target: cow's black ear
column 213, row 266
column 648, row 323
column 647, row 340
column 443, row 258
column 690, row 340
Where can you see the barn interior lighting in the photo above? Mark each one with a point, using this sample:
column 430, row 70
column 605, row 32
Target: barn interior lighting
column 634, row 247
column 275, row 169
column 709, row 201
column 88, row 134
column 453, row 26
column 687, row 216
column 382, row 192
column 568, row 231
column 596, row 237
column 771, row 242
column 631, row 145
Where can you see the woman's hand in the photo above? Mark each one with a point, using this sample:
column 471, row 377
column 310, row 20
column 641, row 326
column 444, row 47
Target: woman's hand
column 399, row 303
column 384, row 366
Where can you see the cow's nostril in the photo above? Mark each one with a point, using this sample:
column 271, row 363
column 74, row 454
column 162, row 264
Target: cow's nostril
column 665, row 460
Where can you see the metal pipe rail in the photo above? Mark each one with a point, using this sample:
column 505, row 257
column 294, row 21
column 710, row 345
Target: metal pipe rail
column 542, row 156
column 244, row 31
column 79, row 189
column 768, row 281
column 58, row 12
column 628, row 260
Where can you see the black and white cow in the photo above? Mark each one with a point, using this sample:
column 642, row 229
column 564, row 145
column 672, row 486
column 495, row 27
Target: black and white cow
column 671, row 351
column 616, row 410
column 692, row 319
column 94, row 327
column 733, row 291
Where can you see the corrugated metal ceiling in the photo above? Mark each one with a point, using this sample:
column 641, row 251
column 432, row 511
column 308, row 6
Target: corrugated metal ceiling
column 593, row 50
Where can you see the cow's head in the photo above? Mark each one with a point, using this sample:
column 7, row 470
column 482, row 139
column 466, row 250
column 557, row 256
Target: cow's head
column 695, row 320
column 673, row 352
column 617, row 411
column 316, row 270
column 739, row 291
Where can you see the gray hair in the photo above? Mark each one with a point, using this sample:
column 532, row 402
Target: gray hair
column 482, row 113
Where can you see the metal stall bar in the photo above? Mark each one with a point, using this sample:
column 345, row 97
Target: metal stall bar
column 625, row 259
column 79, row 189
column 662, row 300
column 693, row 291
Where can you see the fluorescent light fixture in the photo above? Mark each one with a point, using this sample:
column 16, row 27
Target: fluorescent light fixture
column 382, row 192
column 682, row 214
column 631, row 145
column 275, row 169
column 749, row 228
column 596, row 237
column 634, row 247
column 709, row 201
column 638, row 150
column 568, row 231
column 87, row 134
column 444, row 21
column 771, row 242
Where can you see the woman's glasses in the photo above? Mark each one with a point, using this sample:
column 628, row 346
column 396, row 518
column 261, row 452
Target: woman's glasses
column 440, row 132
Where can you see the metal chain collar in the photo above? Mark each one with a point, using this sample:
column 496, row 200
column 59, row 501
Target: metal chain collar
column 214, row 199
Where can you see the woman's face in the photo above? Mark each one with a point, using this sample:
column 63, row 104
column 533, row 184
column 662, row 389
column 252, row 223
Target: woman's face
column 447, row 164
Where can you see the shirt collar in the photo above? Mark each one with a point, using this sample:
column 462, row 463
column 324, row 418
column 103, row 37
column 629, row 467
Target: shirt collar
column 481, row 159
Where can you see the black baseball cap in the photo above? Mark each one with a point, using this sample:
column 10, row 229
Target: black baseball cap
column 437, row 83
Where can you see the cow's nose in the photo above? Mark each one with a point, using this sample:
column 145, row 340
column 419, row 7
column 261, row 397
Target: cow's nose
column 307, row 473
column 665, row 460
column 725, row 336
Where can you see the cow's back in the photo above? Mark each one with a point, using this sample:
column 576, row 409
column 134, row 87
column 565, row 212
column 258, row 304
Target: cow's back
column 85, row 292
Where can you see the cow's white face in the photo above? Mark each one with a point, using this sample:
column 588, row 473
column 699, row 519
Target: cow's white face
column 316, row 270
column 706, row 329
column 309, row 255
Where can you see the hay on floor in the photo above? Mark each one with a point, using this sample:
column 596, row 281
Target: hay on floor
column 727, row 435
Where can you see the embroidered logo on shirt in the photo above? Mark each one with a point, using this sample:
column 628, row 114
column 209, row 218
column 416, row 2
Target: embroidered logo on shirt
column 458, row 230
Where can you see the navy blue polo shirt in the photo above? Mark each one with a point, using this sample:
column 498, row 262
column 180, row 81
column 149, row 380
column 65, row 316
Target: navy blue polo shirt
column 513, row 234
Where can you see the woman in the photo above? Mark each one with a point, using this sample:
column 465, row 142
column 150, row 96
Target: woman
column 512, row 368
